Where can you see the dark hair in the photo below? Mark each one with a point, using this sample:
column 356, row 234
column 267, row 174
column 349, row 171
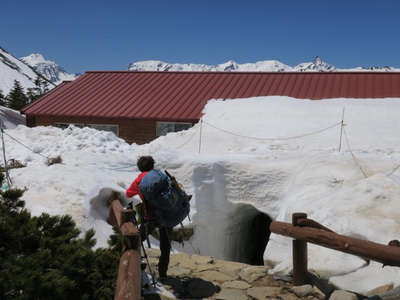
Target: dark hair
column 145, row 163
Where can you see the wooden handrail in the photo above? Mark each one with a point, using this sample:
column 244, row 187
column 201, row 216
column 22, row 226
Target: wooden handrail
column 128, row 281
column 322, row 236
column 129, row 272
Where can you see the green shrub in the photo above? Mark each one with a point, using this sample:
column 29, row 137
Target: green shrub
column 46, row 257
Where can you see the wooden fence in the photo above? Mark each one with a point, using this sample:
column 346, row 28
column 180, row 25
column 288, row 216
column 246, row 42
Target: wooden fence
column 305, row 230
column 129, row 272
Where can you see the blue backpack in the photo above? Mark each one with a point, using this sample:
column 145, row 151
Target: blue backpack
column 168, row 200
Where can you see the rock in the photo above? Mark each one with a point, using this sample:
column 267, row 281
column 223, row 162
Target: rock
column 178, row 258
column 390, row 295
column 236, row 284
column 200, row 268
column 268, row 281
column 342, row 295
column 230, row 268
column 202, row 260
column 178, row 271
column 380, row 289
column 318, row 293
column 253, row 273
column 232, row 294
column 261, row 293
column 213, row 276
column 152, row 252
column 288, row 297
column 302, row 290
column 186, row 262
column 153, row 261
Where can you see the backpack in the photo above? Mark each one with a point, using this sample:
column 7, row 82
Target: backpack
column 163, row 193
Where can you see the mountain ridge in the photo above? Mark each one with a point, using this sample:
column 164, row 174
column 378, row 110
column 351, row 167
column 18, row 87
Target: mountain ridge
column 317, row 65
column 27, row 69
column 11, row 69
column 49, row 69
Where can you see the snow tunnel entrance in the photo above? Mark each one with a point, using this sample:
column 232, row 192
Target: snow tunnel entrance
column 249, row 234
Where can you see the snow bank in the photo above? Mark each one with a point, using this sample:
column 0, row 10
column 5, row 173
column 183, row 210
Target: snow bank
column 234, row 157
column 10, row 118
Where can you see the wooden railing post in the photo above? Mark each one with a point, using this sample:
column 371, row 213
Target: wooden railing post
column 129, row 272
column 300, row 263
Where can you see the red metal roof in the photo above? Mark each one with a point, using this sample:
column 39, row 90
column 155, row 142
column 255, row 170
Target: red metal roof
column 181, row 96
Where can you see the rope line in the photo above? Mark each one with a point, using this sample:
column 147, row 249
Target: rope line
column 352, row 154
column 394, row 170
column 278, row 138
column 188, row 140
column 22, row 144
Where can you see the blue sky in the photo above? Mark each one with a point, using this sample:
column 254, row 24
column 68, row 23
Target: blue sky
column 108, row 35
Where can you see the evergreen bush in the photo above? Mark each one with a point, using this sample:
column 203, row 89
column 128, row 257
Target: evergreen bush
column 46, row 257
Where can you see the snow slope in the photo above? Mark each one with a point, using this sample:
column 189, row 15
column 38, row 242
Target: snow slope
column 49, row 69
column 276, row 154
column 12, row 69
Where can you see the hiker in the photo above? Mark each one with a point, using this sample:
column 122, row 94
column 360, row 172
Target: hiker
column 149, row 220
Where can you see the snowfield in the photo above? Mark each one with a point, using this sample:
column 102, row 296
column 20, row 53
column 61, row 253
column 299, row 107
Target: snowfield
column 278, row 155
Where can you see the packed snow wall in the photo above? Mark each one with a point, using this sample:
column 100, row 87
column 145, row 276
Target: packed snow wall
column 227, row 223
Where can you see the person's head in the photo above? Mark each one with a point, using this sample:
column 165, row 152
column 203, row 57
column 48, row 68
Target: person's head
column 145, row 163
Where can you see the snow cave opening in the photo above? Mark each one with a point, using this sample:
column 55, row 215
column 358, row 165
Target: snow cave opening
column 247, row 233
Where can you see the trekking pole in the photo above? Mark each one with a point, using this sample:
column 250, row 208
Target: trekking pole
column 148, row 264
column 134, row 220
column 146, row 232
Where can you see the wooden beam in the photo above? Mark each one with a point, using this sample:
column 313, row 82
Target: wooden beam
column 128, row 282
column 300, row 254
column 131, row 237
column 118, row 214
column 129, row 272
column 388, row 255
column 113, row 213
column 115, row 218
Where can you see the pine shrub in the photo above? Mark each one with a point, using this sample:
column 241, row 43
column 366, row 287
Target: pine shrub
column 47, row 257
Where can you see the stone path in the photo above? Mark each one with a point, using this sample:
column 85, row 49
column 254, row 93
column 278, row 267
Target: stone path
column 203, row 277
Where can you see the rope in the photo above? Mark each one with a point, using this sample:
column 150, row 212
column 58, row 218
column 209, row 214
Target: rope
column 188, row 140
column 278, row 138
column 22, row 144
column 394, row 170
column 352, row 154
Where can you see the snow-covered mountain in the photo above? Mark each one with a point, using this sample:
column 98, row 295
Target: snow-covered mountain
column 49, row 69
column 317, row 65
column 155, row 65
column 11, row 69
column 261, row 66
